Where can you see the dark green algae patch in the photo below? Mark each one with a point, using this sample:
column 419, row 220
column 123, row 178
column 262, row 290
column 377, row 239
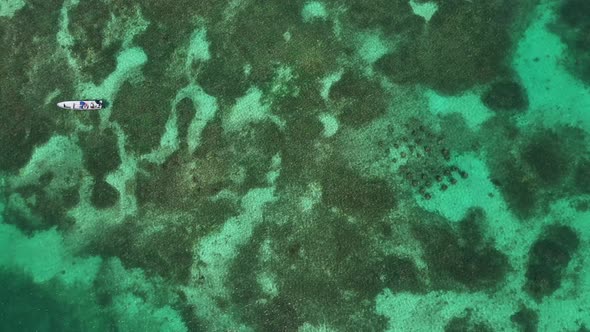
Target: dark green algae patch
column 572, row 27
column 460, row 256
column 28, row 39
column 456, row 51
column 548, row 258
column 546, row 164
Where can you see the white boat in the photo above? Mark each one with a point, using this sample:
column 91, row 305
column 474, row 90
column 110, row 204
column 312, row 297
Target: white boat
column 81, row 105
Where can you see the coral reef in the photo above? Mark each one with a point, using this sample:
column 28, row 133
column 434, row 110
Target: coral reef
column 574, row 30
column 358, row 99
column 505, row 96
column 29, row 76
column 272, row 168
column 462, row 258
column 547, row 163
column 548, row 258
column 455, row 53
column 527, row 320
column 466, row 323
column 103, row 195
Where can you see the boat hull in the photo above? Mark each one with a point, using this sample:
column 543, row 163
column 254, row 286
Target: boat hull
column 81, row 105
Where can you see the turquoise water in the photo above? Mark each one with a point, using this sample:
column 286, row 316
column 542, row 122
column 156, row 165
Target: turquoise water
column 304, row 166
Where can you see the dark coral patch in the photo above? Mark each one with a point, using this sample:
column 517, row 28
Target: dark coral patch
column 279, row 314
column 185, row 111
column 149, row 101
column 303, row 127
column 103, row 195
column 356, row 195
column 183, row 180
column 171, row 27
column 258, row 142
column 189, row 317
column 223, row 76
column 161, row 185
column 101, row 152
column 403, row 66
column 548, row 258
column 53, row 208
column 27, row 38
column 573, row 27
column 582, row 176
column 526, row 320
column 246, row 290
column 70, row 197
column 360, row 100
column 21, row 132
column 506, row 95
column 182, row 184
column 462, row 51
column 268, row 138
column 316, row 265
column 456, row 52
column 142, row 110
column 19, row 217
column 546, row 155
column 312, row 51
column 548, row 164
column 36, row 208
column 255, row 40
column 470, row 228
column 95, row 47
column 300, row 137
column 401, row 274
column 213, row 139
column 575, row 13
column 466, row 323
column 87, row 24
column 462, row 257
column 393, row 17
column 268, row 36
column 519, row 191
column 167, row 253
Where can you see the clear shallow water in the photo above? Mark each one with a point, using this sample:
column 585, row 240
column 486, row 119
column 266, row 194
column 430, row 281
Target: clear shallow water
column 302, row 166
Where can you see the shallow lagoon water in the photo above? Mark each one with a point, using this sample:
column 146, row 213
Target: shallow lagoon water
column 295, row 166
